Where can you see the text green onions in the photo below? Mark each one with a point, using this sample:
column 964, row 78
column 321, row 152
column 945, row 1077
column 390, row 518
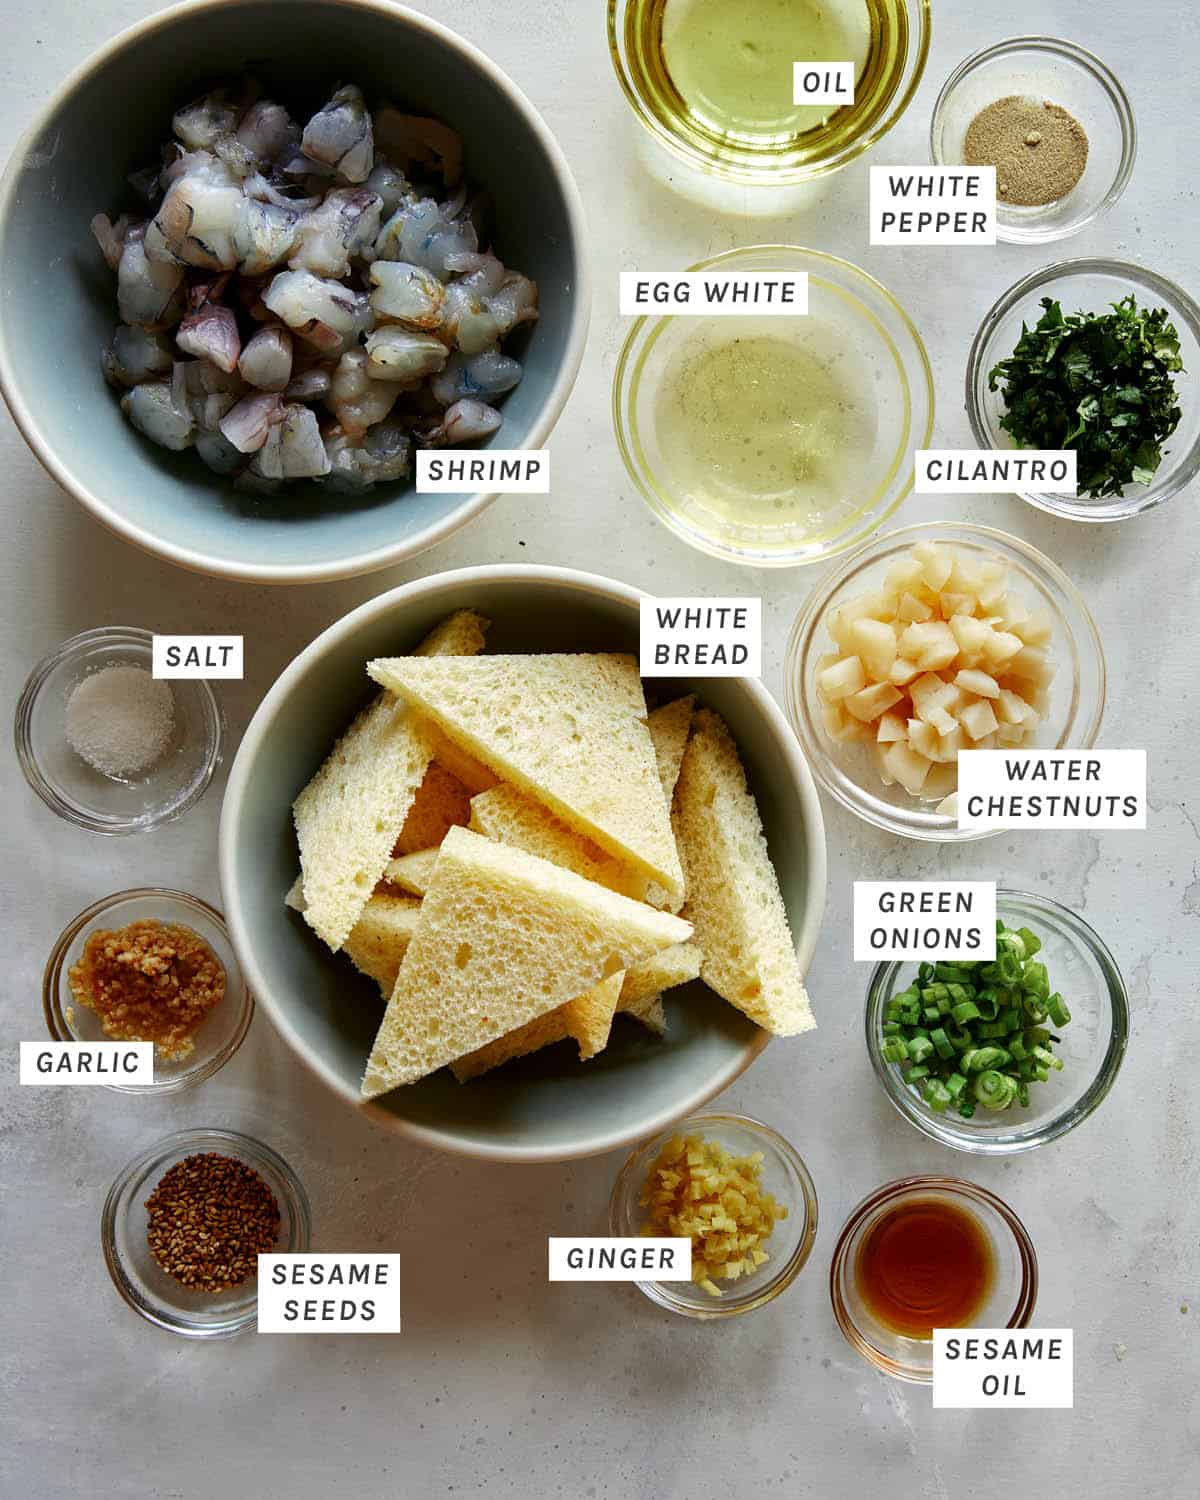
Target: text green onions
column 972, row 1034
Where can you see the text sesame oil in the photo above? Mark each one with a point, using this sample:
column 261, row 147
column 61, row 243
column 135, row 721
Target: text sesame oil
column 718, row 73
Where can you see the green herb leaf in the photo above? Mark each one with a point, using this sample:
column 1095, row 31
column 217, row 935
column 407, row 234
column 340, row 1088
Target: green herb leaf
column 1099, row 383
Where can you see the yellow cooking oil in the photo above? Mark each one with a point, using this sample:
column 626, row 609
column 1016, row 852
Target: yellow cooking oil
column 766, row 430
column 731, row 60
column 715, row 76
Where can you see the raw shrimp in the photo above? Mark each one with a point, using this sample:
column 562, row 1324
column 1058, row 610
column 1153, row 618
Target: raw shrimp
column 480, row 375
column 266, row 361
column 383, row 456
column 324, row 313
column 486, row 303
column 336, row 230
column 467, row 421
column 149, row 293
column 395, row 353
column 135, row 355
column 340, row 135
column 210, row 330
column 267, row 131
column 391, row 186
column 426, row 233
column 300, row 304
column 152, row 410
column 406, row 294
column 356, row 400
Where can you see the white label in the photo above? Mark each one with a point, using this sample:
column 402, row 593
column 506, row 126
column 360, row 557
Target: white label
column 975, row 1367
column 974, row 471
column 517, row 471
column 701, row 638
column 823, row 82
column 334, row 1293
column 1052, row 789
column 620, row 1258
column 216, row 656
column 714, row 293
column 933, row 205
column 927, row 919
column 68, row 1063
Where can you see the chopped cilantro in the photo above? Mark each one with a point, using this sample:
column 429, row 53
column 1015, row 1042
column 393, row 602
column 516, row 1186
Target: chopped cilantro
column 1099, row 383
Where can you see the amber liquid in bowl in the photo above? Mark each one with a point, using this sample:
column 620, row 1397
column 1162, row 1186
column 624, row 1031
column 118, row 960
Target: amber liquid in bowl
column 924, row 1265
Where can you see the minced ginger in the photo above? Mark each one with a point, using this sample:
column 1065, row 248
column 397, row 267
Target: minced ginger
column 699, row 1190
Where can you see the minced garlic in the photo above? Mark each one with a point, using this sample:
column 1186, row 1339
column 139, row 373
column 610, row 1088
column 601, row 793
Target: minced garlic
column 698, row 1189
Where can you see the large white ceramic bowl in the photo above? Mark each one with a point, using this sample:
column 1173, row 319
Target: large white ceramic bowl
column 109, row 117
column 547, row 1107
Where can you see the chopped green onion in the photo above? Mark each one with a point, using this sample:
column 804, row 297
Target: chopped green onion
column 973, row 1034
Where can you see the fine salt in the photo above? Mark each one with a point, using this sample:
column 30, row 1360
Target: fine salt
column 120, row 720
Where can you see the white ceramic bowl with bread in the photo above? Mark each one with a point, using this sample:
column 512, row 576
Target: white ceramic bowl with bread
column 548, row 1105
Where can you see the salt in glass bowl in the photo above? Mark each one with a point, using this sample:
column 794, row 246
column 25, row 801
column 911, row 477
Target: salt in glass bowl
column 72, row 788
column 1059, row 72
column 1091, row 286
column 1092, row 1044
column 885, row 87
column 784, row 1176
column 1011, row 1297
column 138, row 1277
column 848, row 309
column 219, row 1034
column 848, row 772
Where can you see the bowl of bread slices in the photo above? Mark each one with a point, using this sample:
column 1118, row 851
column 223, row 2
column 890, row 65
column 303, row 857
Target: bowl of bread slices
column 500, row 892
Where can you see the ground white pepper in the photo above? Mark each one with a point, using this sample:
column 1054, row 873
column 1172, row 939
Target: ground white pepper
column 210, row 1217
column 1039, row 151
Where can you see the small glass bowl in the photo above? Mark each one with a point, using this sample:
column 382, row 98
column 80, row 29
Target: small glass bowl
column 885, row 87
column 1044, row 68
column 784, row 1175
column 1093, row 1042
column 142, row 1282
column 1091, row 286
column 72, row 788
column 218, row 1036
column 855, row 314
column 1014, row 1288
column 848, row 771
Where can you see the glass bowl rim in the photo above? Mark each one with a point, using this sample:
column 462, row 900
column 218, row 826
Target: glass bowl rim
column 945, row 1130
column 1108, row 81
column 812, row 610
column 785, row 1273
column 896, row 1190
column 113, row 636
column 625, row 388
column 1116, row 507
column 765, row 175
column 245, row 1148
column 56, row 1022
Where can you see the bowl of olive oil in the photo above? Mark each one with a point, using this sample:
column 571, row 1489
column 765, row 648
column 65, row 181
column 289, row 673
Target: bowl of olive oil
column 772, row 441
column 712, row 80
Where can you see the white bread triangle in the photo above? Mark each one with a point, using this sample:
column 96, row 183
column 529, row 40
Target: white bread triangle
column 569, row 731
column 503, row 938
column 669, row 728
column 510, row 817
column 349, row 815
column 380, row 936
column 733, row 893
column 587, row 1019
